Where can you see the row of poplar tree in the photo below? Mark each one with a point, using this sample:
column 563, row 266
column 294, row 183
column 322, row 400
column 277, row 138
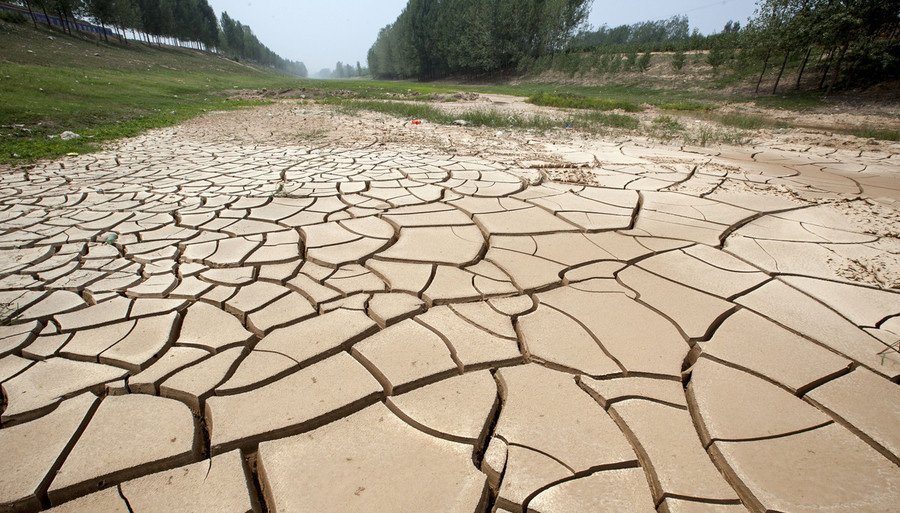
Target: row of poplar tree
column 845, row 43
column 436, row 38
column 191, row 22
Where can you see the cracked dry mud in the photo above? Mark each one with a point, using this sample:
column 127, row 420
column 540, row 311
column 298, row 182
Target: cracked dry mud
column 401, row 318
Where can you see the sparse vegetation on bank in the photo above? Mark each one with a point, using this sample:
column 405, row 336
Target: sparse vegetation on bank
column 584, row 102
column 112, row 92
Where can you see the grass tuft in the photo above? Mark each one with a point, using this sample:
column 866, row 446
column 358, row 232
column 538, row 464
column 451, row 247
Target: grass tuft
column 596, row 120
column 668, row 123
column 748, row 122
column 433, row 114
column 874, row 133
column 584, row 102
column 686, row 106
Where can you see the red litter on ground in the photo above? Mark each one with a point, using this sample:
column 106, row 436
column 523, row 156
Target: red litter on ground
column 415, row 122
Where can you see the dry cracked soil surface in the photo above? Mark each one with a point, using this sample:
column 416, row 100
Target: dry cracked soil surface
column 286, row 309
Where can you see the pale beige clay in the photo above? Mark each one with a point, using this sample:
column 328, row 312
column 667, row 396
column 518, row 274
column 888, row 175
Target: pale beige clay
column 303, row 310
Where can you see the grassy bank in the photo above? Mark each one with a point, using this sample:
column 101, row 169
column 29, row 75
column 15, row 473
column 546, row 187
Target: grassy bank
column 51, row 83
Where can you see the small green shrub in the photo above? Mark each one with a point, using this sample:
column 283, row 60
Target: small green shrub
column 13, row 17
column 874, row 133
column 643, row 62
column 668, row 123
column 678, row 60
column 748, row 122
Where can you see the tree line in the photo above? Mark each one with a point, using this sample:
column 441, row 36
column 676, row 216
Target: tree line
column 823, row 44
column 846, row 43
column 241, row 42
column 676, row 28
column 850, row 42
column 436, row 38
column 191, row 22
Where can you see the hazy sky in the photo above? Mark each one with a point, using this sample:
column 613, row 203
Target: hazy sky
column 322, row 32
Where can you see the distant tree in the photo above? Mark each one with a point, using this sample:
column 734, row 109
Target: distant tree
column 632, row 59
column 359, row 71
column 678, row 60
column 66, row 10
column 433, row 38
column 732, row 27
column 208, row 25
column 856, row 40
column 643, row 62
column 718, row 54
column 44, row 5
column 615, row 64
column 102, row 11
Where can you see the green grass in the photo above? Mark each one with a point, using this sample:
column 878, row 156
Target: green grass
column 668, row 123
column 597, row 120
column 425, row 112
column 13, row 17
column 125, row 90
column 686, row 106
column 713, row 135
column 374, row 89
column 584, row 102
column 588, row 121
column 797, row 101
column 749, row 122
column 874, row 133
column 19, row 145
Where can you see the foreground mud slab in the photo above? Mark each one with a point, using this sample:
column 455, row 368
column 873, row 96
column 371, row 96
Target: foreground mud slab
column 214, row 318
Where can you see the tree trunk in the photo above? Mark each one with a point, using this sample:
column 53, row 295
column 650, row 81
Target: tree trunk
column 763, row 72
column 787, row 54
column 70, row 19
column 103, row 30
column 46, row 16
column 827, row 66
column 837, row 68
column 28, row 4
column 802, row 67
column 65, row 21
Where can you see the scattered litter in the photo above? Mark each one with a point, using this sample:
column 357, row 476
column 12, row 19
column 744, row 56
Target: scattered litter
column 461, row 122
column 111, row 238
column 415, row 122
column 73, row 154
column 499, row 133
column 68, row 136
column 568, row 125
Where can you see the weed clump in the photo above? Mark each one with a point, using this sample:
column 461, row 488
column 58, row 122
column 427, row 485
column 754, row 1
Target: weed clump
column 583, row 102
